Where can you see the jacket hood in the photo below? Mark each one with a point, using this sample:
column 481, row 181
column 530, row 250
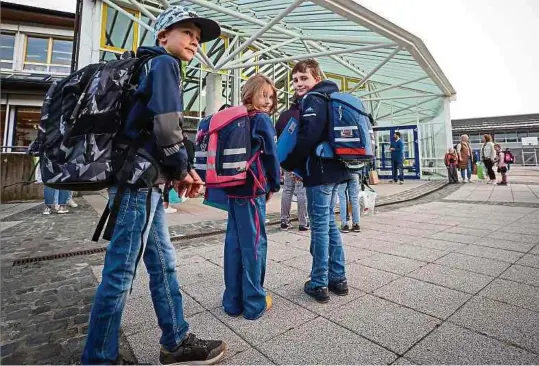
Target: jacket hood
column 325, row 87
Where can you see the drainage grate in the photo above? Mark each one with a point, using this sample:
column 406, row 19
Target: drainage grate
column 21, row 262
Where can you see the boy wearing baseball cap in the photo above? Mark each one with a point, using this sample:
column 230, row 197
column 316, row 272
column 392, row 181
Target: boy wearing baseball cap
column 157, row 104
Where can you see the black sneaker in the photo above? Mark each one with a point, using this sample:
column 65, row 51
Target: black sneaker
column 356, row 228
column 320, row 294
column 339, row 288
column 285, row 225
column 345, row 228
column 194, row 351
column 303, row 227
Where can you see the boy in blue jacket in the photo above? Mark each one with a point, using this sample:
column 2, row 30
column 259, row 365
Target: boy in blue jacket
column 321, row 177
column 156, row 108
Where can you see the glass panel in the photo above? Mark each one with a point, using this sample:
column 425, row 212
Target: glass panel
column 521, row 135
column 475, row 139
column 37, row 50
column 511, row 137
column 26, row 124
column 499, row 137
column 533, row 134
column 61, row 52
column 119, row 30
column 146, row 37
column 2, row 123
column 35, row 67
column 6, row 50
column 109, row 56
column 59, row 69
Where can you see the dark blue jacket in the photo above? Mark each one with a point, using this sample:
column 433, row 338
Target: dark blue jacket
column 397, row 155
column 158, row 105
column 262, row 140
column 314, row 129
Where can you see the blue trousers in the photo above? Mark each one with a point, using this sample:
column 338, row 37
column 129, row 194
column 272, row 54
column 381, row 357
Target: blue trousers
column 352, row 188
column 245, row 257
column 398, row 170
column 326, row 242
column 160, row 260
column 53, row 196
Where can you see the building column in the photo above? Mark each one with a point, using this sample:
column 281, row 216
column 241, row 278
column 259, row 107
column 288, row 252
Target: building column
column 214, row 93
column 447, row 120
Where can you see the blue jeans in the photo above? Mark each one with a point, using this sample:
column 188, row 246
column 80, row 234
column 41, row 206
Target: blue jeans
column 352, row 186
column 160, row 259
column 468, row 169
column 50, row 196
column 398, row 166
column 245, row 258
column 326, row 244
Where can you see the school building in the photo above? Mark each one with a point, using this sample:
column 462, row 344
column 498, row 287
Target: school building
column 518, row 133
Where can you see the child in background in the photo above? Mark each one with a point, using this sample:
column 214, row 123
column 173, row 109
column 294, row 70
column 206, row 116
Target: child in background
column 502, row 166
column 451, row 160
column 246, row 240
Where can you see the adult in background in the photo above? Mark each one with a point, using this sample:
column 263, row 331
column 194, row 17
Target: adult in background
column 488, row 156
column 397, row 158
column 464, row 153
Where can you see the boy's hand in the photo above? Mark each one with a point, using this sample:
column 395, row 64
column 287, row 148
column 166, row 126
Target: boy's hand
column 190, row 186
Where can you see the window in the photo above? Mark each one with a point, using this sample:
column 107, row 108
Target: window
column 6, row 51
column 48, row 55
column 511, row 137
column 475, row 139
column 26, row 124
column 118, row 32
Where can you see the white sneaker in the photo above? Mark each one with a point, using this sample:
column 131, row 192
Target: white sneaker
column 56, row 207
column 47, row 210
column 401, row 182
column 72, row 203
column 62, row 210
column 170, row 210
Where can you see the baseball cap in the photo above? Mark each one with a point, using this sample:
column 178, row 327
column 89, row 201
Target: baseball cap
column 209, row 29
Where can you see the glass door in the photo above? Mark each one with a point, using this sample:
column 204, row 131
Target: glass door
column 384, row 137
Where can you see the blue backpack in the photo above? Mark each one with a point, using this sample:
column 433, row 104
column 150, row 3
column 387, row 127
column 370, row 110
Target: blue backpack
column 351, row 135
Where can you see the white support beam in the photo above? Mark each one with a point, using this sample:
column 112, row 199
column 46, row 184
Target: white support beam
column 340, row 39
column 143, row 10
column 409, row 107
column 165, row 3
column 395, row 86
column 304, row 56
column 371, row 73
column 260, row 32
column 402, row 97
column 282, row 30
column 262, row 51
column 205, row 58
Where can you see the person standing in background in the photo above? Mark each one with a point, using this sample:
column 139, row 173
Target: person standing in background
column 397, row 158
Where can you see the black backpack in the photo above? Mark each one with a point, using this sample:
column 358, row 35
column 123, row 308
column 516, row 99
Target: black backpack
column 79, row 142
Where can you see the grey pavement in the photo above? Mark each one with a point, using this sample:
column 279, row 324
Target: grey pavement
column 432, row 281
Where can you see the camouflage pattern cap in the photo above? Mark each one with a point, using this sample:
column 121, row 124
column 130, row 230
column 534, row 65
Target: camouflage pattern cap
column 209, row 29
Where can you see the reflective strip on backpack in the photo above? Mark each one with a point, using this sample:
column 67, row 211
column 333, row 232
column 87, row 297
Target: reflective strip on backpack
column 348, row 139
column 238, row 151
column 342, row 128
column 201, row 154
column 236, row 165
column 204, row 166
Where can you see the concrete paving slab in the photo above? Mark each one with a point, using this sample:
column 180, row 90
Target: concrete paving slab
column 368, row 279
column 427, row 298
column 530, row 260
column 388, row 324
column 454, row 345
column 210, row 252
column 513, row 293
column 438, row 244
column 521, row 227
column 505, row 322
column 418, row 253
column 279, row 274
column 467, row 231
column 303, row 263
column 391, row 263
column 504, row 244
column 508, row 256
column 207, row 294
column 248, row 357
column 321, row 342
column 522, row 274
column 473, row 264
column 535, row 250
column 283, row 316
column 518, row 237
column 403, row 361
column 452, row 278
column 200, row 272
column 457, row 238
column 294, row 293
column 280, row 252
column 352, row 254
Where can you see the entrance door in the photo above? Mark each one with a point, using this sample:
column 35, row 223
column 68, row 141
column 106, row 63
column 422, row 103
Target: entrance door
column 384, row 137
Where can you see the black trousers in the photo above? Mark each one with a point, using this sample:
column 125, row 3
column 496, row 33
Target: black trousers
column 489, row 164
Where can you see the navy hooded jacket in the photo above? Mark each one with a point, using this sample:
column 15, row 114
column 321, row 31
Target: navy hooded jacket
column 262, row 140
column 314, row 129
column 157, row 105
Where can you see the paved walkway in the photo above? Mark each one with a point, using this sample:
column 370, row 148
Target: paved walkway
column 433, row 281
